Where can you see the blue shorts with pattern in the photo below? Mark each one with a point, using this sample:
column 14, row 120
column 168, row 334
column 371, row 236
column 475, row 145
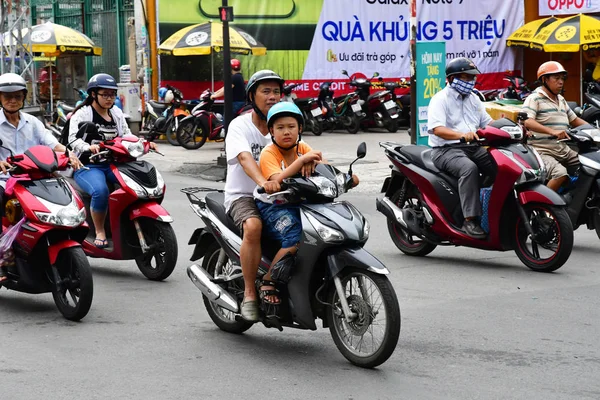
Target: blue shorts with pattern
column 281, row 222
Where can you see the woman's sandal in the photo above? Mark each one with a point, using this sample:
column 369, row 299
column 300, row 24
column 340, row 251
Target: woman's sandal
column 101, row 243
column 3, row 276
column 269, row 295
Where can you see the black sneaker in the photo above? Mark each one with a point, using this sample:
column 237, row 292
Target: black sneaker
column 473, row 229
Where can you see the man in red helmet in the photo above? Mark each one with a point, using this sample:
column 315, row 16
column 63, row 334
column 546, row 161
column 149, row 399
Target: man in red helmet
column 549, row 118
column 239, row 87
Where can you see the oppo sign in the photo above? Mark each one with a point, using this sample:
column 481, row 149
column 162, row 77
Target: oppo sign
column 554, row 7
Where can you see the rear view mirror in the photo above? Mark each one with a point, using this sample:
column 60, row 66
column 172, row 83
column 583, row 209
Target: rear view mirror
column 344, row 72
column 361, row 152
column 375, row 75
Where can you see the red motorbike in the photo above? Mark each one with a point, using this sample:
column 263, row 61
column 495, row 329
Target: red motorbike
column 423, row 209
column 137, row 226
column 47, row 249
column 203, row 124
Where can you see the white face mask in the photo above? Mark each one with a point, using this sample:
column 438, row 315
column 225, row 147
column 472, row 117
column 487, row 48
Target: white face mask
column 463, row 87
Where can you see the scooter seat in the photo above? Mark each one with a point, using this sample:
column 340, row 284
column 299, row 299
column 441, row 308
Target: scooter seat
column 214, row 202
column 159, row 107
column 421, row 156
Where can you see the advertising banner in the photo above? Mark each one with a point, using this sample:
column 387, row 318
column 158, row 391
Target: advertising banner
column 431, row 64
column 559, row 7
column 309, row 41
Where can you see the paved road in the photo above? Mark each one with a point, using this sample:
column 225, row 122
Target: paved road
column 475, row 325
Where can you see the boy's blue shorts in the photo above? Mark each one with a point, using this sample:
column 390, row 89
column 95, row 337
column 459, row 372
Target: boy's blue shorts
column 281, row 222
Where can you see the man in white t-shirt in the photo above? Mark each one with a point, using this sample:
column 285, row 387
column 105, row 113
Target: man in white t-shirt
column 247, row 136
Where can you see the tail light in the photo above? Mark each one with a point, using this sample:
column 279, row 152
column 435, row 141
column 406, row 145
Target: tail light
column 387, row 97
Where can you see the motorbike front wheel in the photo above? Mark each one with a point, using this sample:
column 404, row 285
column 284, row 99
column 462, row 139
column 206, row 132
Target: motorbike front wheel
column 158, row 263
column 171, row 130
column 191, row 134
column 73, row 295
column 404, row 241
column 222, row 317
column 370, row 338
column 552, row 241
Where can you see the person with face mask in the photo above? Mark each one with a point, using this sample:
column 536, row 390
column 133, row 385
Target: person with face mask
column 549, row 118
column 455, row 113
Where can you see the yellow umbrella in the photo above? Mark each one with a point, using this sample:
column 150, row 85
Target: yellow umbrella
column 202, row 39
column 522, row 36
column 569, row 35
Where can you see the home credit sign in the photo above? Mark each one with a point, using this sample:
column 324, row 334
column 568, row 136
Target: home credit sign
column 557, row 7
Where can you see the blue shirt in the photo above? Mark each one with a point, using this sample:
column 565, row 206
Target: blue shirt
column 452, row 110
column 29, row 133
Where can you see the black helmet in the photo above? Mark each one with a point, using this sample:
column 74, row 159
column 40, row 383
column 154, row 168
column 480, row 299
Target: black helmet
column 104, row 81
column 461, row 65
column 261, row 76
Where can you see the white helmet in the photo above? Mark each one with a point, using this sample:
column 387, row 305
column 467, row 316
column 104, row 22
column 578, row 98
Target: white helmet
column 169, row 96
column 12, row 83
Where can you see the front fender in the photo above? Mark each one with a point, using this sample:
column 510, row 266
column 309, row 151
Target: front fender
column 538, row 193
column 54, row 249
column 150, row 210
column 354, row 257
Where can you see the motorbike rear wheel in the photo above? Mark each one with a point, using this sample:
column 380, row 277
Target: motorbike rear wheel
column 171, row 130
column 392, row 125
column 351, row 123
column 316, row 127
column 160, row 262
column 191, row 134
column 74, row 298
column 552, row 243
column 404, row 241
column 222, row 317
column 369, row 339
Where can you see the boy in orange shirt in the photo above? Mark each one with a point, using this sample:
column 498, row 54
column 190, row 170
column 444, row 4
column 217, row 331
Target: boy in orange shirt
column 284, row 158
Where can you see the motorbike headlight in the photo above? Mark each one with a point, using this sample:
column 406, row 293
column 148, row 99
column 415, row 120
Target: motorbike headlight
column 326, row 233
column 135, row 149
column 136, row 187
column 324, row 186
column 68, row 215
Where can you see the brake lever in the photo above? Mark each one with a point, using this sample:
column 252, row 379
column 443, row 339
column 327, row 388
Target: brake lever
column 157, row 152
column 288, row 191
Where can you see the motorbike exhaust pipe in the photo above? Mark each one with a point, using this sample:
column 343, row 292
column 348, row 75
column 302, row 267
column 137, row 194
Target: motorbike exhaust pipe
column 212, row 291
column 390, row 210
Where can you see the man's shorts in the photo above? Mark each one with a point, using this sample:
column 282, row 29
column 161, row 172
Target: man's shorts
column 243, row 209
column 557, row 157
column 281, row 223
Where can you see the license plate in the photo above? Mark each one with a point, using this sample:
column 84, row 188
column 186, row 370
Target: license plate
column 356, row 107
column 389, row 104
column 316, row 112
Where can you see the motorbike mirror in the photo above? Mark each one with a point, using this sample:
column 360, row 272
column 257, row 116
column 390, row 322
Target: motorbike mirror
column 588, row 75
column 361, row 152
column 375, row 74
column 522, row 116
column 344, row 72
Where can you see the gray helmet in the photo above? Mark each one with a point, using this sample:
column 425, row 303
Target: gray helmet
column 261, row 76
column 461, row 65
column 10, row 82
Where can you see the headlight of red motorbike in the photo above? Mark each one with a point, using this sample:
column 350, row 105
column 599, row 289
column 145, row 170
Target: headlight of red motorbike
column 13, row 211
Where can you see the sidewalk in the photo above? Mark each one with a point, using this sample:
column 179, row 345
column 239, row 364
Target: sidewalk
column 339, row 148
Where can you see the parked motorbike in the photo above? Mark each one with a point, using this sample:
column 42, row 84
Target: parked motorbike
column 137, row 226
column 309, row 107
column 164, row 118
column 517, row 89
column 423, row 209
column 342, row 112
column 333, row 279
column 63, row 113
column 380, row 108
column 203, row 124
column 403, row 101
column 47, row 250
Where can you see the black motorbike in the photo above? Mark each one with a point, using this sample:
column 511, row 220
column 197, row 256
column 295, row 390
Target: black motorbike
column 333, row 278
column 342, row 112
column 582, row 192
column 163, row 118
column 309, row 107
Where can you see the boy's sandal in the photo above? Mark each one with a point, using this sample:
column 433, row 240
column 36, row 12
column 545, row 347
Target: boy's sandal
column 268, row 293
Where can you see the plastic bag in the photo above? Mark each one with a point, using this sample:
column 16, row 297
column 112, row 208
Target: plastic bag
column 7, row 256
